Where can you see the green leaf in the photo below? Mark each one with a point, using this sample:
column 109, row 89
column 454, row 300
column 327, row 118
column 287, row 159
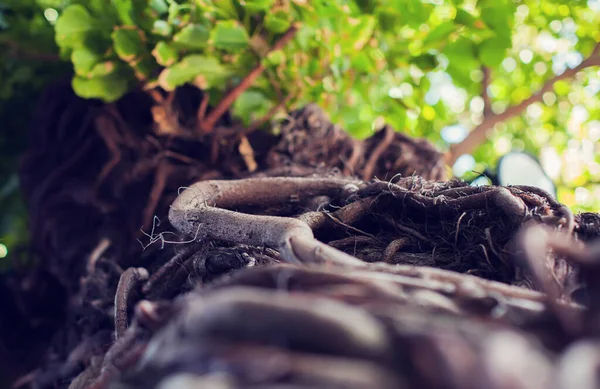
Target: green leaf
column 305, row 37
column 363, row 31
column 363, row 63
column 144, row 68
column 162, row 28
column 413, row 12
column 492, row 51
column 250, row 105
column 366, row 6
column 159, row 6
column 192, row 36
column 462, row 51
column 124, row 10
column 176, row 13
column 387, row 18
column 129, row 43
column 129, row 10
column 438, row 34
column 84, row 60
column 499, row 16
column 275, row 58
column 257, row 5
column 397, row 116
column 105, row 68
column 93, row 40
column 466, row 19
column 229, row 36
column 462, row 60
column 73, row 26
column 225, row 9
column 107, row 88
column 351, row 119
column 206, row 71
column 425, row 62
column 278, row 22
column 165, row 54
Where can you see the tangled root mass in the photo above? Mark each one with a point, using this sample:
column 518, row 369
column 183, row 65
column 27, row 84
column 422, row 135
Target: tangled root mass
column 363, row 268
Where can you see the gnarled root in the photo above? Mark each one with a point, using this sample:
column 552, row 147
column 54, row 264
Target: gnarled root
column 200, row 211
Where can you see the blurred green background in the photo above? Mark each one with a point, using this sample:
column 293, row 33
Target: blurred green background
column 430, row 68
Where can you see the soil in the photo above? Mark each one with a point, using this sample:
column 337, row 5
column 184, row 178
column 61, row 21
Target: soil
column 411, row 279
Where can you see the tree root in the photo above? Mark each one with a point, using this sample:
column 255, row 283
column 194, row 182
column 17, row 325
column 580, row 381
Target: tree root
column 439, row 269
column 199, row 211
column 271, row 308
column 129, row 283
column 358, row 319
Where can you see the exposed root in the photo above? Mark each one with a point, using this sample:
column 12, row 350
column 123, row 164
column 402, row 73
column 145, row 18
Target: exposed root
column 202, row 208
column 129, row 283
column 393, row 248
column 435, row 291
column 353, row 316
column 369, row 168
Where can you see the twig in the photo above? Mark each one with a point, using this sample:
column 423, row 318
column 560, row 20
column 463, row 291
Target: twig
column 129, row 282
column 388, row 137
column 95, row 255
column 395, row 246
column 239, row 131
column 161, row 177
column 485, row 83
column 207, row 125
column 355, row 155
column 478, row 135
column 275, row 84
column 161, row 281
column 110, row 135
column 156, row 96
column 247, row 152
column 512, row 206
column 203, row 106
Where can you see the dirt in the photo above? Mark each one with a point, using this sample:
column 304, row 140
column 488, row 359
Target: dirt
column 411, row 279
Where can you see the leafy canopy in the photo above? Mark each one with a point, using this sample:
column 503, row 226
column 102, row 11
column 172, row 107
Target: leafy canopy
column 346, row 55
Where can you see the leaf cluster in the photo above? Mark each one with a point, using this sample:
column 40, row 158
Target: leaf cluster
column 343, row 56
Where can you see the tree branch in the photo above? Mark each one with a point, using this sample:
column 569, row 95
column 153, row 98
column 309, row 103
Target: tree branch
column 485, row 83
column 478, row 134
column 203, row 106
column 208, row 124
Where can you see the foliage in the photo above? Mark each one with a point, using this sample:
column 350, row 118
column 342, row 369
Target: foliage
column 563, row 129
column 346, row 55
column 27, row 64
column 415, row 64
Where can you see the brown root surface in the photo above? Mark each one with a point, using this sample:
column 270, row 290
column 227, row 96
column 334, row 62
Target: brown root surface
column 361, row 268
